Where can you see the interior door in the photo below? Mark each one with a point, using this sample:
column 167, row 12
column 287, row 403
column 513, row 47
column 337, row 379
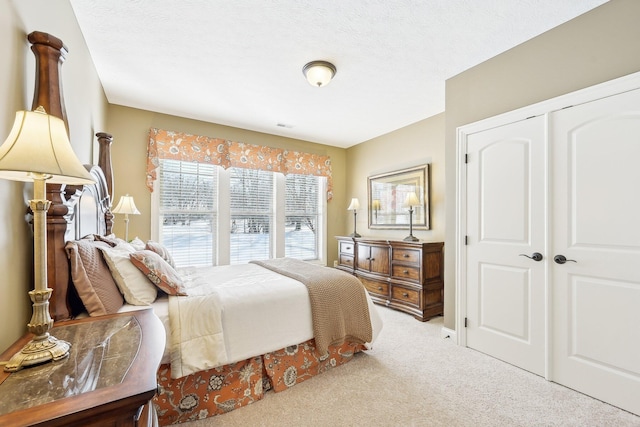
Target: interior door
column 596, row 292
column 506, row 216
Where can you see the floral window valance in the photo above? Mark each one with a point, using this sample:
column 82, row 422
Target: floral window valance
column 164, row 144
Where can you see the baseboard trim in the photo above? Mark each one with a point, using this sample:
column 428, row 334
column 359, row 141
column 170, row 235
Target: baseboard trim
column 448, row 333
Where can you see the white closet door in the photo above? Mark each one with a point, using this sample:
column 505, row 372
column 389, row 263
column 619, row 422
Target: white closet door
column 596, row 225
column 506, row 219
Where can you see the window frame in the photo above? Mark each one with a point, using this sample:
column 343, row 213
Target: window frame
column 223, row 241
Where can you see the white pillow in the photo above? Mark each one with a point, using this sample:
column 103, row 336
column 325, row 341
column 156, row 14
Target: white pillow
column 137, row 244
column 133, row 284
column 125, row 246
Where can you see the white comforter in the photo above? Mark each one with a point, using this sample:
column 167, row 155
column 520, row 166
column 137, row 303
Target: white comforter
column 236, row 312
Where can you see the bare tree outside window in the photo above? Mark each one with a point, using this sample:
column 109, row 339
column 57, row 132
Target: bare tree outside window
column 251, row 204
column 302, row 214
column 191, row 206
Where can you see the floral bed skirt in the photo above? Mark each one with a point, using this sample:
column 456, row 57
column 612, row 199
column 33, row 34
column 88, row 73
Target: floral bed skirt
column 219, row 390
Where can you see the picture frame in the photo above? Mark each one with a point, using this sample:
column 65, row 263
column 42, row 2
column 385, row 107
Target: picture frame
column 387, row 194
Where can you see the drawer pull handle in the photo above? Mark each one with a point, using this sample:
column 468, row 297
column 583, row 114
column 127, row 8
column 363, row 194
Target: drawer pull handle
column 348, row 248
column 406, row 255
column 404, row 294
column 405, row 271
column 379, row 288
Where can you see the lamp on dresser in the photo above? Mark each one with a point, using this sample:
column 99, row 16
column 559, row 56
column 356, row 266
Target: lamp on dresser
column 38, row 150
column 411, row 201
column 354, row 206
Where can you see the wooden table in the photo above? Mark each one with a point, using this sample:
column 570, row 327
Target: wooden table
column 108, row 379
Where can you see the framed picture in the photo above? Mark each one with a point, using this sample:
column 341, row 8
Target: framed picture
column 390, row 195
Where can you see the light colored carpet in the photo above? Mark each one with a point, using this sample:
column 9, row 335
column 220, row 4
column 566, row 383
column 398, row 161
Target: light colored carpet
column 413, row 377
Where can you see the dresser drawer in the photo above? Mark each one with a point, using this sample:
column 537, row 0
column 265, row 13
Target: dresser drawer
column 346, row 248
column 406, row 272
column 406, row 255
column 346, row 260
column 405, row 295
column 375, row 287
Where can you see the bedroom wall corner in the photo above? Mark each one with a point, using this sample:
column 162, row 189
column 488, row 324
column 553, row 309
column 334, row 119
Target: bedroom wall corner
column 413, row 145
column 130, row 130
column 86, row 109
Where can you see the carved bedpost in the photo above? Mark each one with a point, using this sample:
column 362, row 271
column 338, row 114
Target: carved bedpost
column 50, row 54
column 104, row 161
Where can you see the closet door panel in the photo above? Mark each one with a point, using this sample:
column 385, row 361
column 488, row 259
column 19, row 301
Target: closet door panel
column 506, row 214
column 596, row 293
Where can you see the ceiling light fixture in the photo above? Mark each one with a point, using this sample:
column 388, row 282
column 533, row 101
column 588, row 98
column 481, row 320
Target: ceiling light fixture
column 319, row 73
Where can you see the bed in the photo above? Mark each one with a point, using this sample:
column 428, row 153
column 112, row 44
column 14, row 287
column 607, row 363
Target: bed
column 264, row 335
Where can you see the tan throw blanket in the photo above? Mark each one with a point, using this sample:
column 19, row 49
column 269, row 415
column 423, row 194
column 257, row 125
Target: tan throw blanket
column 339, row 306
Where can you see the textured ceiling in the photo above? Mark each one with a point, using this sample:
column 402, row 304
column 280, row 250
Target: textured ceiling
column 239, row 63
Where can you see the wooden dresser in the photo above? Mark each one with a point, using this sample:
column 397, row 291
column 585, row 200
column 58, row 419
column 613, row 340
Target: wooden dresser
column 407, row 276
column 108, row 379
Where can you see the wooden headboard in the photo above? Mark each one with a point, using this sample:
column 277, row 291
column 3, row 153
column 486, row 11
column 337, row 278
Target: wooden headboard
column 75, row 210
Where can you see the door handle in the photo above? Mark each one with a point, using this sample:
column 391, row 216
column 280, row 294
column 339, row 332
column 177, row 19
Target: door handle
column 561, row 259
column 536, row 256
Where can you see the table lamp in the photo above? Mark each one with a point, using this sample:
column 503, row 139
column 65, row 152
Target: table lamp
column 38, row 150
column 354, row 206
column 411, row 201
column 126, row 206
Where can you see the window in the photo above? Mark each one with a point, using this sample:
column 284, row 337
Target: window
column 302, row 203
column 251, row 194
column 210, row 216
column 187, row 211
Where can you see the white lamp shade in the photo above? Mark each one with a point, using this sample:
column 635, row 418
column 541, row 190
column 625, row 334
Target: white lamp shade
column 126, row 205
column 412, row 200
column 38, row 143
column 319, row 73
column 355, row 204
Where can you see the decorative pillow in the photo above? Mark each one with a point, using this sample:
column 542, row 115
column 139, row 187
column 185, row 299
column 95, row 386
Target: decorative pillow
column 134, row 285
column 124, row 246
column 92, row 278
column 137, row 244
column 159, row 272
column 161, row 250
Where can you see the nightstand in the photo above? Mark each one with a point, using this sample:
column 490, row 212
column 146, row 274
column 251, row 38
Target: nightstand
column 108, row 379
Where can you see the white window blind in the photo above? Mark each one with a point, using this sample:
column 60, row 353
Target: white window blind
column 302, row 216
column 208, row 215
column 251, row 204
column 188, row 217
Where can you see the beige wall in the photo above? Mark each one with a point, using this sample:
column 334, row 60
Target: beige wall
column 595, row 47
column 413, row 145
column 598, row 46
column 130, row 129
column 86, row 111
